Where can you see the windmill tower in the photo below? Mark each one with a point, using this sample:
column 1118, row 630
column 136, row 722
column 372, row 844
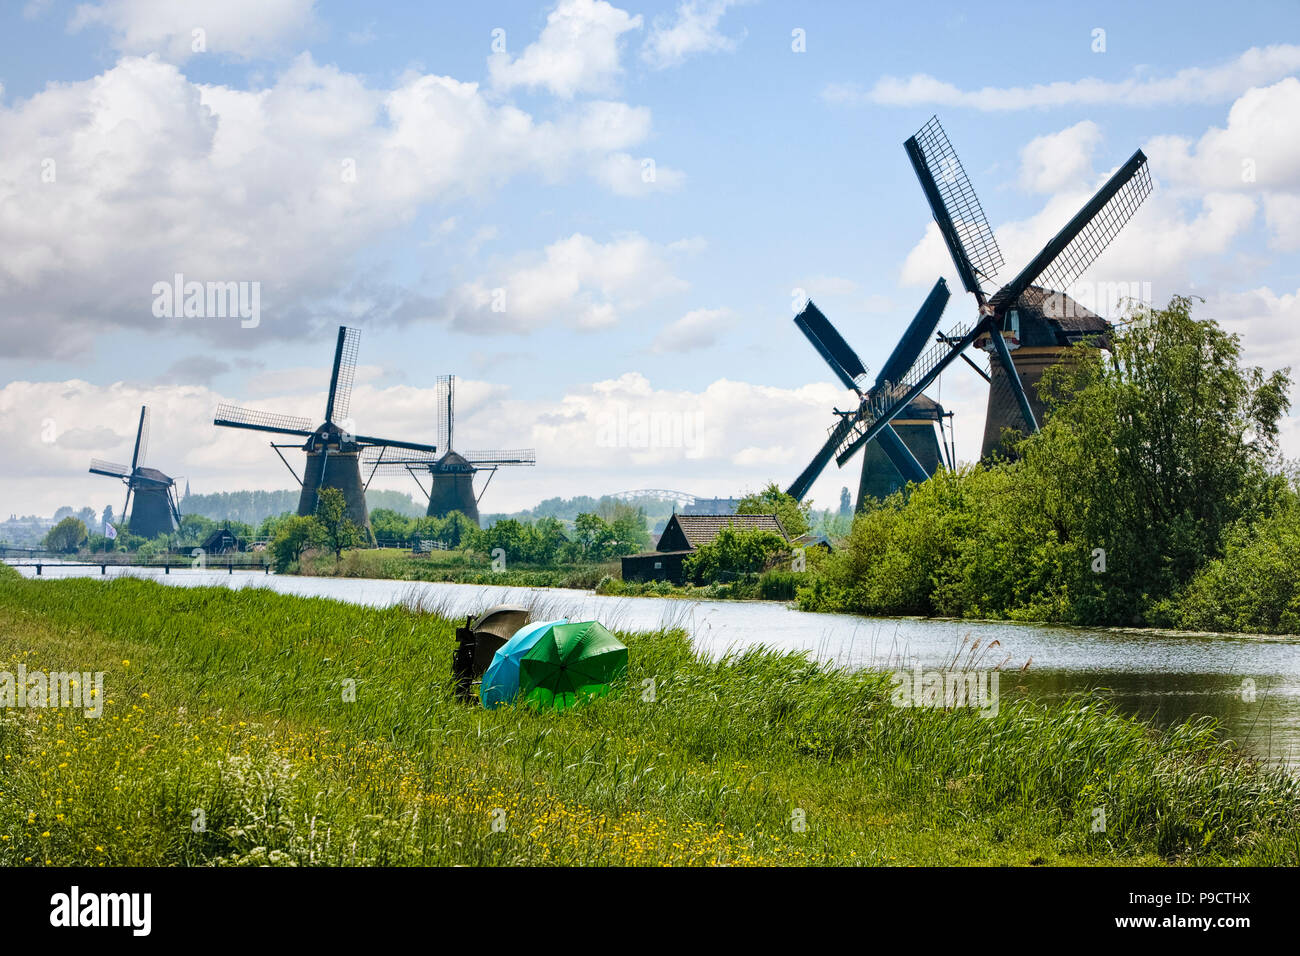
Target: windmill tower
column 1030, row 314
column 451, row 474
column 333, row 451
column 156, row 509
column 907, row 449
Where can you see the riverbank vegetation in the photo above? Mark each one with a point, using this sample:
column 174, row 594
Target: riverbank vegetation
column 245, row 727
column 1152, row 496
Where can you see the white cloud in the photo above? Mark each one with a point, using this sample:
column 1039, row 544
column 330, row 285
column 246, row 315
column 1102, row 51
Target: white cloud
column 1257, row 153
column 1256, row 66
column 117, row 182
column 577, row 279
column 1268, row 323
column 180, row 29
column 577, row 51
column 1282, row 213
column 697, row 329
column 693, row 30
column 626, row 175
column 1258, row 149
column 1052, row 162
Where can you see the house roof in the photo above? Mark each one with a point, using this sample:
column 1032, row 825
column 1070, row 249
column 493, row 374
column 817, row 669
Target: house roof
column 701, row 529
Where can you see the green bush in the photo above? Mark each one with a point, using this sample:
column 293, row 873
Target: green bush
column 1255, row 586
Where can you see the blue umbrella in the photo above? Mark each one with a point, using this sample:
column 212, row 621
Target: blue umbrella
column 501, row 679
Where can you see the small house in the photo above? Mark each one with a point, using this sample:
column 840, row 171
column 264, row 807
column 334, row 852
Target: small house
column 681, row 536
column 221, row 541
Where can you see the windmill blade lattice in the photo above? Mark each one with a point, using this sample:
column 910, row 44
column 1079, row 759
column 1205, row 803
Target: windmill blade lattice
column 232, row 416
column 1084, row 237
column 141, row 440
column 339, row 403
column 114, row 470
column 502, row 456
column 444, row 397
column 956, row 207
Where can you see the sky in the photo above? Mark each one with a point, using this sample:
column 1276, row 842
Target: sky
column 600, row 217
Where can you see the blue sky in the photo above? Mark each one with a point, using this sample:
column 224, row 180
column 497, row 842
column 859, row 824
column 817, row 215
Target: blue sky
column 521, row 170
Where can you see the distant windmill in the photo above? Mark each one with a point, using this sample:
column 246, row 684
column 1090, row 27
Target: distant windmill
column 451, row 474
column 1030, row 314
column 906, row 448
column 332, row 452
column 156, row 509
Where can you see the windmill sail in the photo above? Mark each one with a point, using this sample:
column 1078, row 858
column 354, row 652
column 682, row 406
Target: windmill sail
column 956, row 208
column 232, row 416
column 799, row 487
column 917, row 336
column 1077, row 246
column 339, row 402
column 502, row 456
column 100, row 467
column 141, row 439
column 444, row 397
column 844, row 362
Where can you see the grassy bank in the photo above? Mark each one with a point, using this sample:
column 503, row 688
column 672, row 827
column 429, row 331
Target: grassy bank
column 462, row 567
column 456, row 566
column 232, row 703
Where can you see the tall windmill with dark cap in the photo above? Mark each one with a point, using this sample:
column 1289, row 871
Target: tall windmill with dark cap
column 1029, row 317
column 333, row 453
column 451, row 473
column 906, row 449
column 156, row 508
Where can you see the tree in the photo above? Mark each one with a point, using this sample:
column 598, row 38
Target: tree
column 630, row 533
column 1151, row 452
column 67, row 536
column 593, row 535
column 294, row 535
column 846, row 503
column 792, row 514
column 390, row 525
column 337, row 531
column 734, row 551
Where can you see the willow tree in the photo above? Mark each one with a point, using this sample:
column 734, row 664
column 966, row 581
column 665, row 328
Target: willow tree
column 1153, row 449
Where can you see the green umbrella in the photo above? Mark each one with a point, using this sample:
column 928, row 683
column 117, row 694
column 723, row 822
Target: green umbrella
column 571, row 661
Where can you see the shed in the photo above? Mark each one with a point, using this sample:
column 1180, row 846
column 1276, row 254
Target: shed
column 681, row 536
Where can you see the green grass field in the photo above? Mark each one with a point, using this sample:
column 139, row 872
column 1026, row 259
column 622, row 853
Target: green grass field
column 226, row 738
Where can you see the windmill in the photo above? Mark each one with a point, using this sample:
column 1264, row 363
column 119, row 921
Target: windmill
column 333, row 452
column 156, row 509
column 906, row 448
column 1030, row 314
column 451, row 474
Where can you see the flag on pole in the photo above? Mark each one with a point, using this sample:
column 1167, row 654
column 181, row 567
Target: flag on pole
column 110, row 532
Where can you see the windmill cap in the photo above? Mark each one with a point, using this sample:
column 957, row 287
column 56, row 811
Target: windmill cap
column 152, row 474
column 1049, row 317
column 453, row 461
